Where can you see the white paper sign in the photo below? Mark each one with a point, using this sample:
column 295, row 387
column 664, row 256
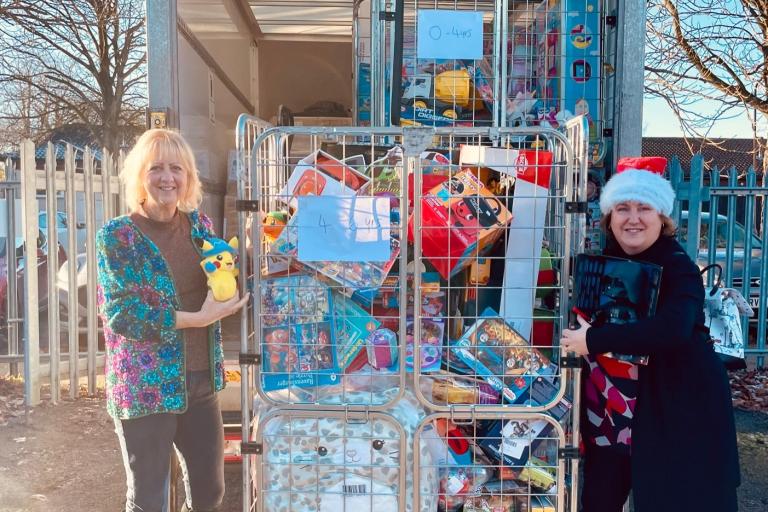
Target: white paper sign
column 445, row 34
column 332, row 228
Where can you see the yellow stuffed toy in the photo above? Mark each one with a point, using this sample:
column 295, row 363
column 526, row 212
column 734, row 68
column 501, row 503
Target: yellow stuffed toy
column 219, row 264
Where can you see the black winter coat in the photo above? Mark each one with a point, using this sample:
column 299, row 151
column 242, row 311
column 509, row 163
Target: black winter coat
column 684, row 452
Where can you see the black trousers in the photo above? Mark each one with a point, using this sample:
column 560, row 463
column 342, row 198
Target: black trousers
column 198, row 437
column 607, row 479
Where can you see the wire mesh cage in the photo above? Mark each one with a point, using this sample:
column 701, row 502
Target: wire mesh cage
column 340, row 460
column 371, row 258
column 509, row 463
column 492, row 238
column 535, row 63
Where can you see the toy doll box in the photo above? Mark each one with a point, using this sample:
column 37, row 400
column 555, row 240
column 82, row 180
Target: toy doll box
column 460, row 219
column 497, row 353
column 298, row 338
column 321, row 174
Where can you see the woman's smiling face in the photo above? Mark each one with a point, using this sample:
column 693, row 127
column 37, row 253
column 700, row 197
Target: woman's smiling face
column 636, row 226
column 165, row 182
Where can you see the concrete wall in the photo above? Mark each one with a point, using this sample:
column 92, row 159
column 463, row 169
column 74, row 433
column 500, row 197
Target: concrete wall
column 298, row 74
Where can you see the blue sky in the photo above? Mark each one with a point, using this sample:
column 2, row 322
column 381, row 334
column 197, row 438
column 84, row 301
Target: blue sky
column 665, row 124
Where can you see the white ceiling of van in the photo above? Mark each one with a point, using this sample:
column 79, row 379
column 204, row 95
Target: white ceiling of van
column 272, row 19
column 303, row 17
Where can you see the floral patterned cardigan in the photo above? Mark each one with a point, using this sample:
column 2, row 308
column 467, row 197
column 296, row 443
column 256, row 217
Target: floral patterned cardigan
column 145, row 363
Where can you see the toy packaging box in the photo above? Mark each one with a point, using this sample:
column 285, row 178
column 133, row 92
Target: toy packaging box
column 298, row 339
column 321, row 174
column 365, row 277
column 352, row 325
column 511, row 441
column 460, row 219
column 493, row 350
column 611, row 290
column 431, row 346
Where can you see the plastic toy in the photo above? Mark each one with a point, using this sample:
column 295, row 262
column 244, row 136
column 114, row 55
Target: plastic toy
column 220, row 265
column 274, row 222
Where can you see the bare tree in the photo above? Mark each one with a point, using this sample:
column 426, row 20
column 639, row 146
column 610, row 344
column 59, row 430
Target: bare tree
column 81, row 61
column 715, row 50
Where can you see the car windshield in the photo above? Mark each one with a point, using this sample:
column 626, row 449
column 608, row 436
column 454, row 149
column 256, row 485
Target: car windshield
column 721, row 234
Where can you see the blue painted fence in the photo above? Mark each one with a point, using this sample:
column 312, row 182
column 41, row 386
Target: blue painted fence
column 736, row 239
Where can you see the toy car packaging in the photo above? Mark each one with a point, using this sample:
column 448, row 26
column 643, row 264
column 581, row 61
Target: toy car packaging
column 460, row 219
column 297, row 334
column 321, row 174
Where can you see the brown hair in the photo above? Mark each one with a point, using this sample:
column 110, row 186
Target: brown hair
column 668, row 226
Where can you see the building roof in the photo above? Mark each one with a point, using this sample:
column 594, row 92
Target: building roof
column 720, row 153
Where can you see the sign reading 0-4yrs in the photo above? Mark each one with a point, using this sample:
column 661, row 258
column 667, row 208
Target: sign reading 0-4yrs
column 444, row 34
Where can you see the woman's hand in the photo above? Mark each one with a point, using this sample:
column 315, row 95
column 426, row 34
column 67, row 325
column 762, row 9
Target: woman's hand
column 575, row 340
column 211, row 311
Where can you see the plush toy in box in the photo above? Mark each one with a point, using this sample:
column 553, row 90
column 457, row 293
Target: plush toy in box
column 324, row 463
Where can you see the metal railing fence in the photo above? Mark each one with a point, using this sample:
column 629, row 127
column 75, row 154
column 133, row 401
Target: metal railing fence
column 64, row 198
column 722, row 217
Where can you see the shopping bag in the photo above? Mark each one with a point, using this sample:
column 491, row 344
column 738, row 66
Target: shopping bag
column 723, row 308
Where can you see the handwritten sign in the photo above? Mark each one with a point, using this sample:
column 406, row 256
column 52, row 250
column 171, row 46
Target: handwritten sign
column 446, row 34
column 332, row 228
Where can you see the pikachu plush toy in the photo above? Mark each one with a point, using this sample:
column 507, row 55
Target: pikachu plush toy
column 219, row 264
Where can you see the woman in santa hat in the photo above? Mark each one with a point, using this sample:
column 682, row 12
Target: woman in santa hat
column 665, row 430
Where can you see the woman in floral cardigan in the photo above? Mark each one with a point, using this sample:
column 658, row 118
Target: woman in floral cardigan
column 162, row 330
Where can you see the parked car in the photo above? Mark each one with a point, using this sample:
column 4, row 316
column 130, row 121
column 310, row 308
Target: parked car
column 754, row 259
column 62, row 230
column 42, row 277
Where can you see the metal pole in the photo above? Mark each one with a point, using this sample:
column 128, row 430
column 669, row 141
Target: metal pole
column 628, row 108
column 12, row 302
column 54, row 340
column 90, row 265
column 29, row 222
column 73, row 338
column 163, row 58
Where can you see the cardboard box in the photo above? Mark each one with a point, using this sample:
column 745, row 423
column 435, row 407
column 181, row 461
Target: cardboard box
column 460, row 219
column 321, row 174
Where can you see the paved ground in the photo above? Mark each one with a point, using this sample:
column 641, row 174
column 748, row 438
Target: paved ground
column 65, row 458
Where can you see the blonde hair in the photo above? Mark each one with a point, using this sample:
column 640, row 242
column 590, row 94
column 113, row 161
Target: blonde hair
column 153, row 144
column 668, row 226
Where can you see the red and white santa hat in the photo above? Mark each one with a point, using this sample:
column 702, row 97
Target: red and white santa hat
column 639, row 179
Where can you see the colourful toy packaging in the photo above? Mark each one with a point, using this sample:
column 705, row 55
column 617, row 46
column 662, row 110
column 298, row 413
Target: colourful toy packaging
column 460, row 219
column 321, row 174
column 352, row 325
column 382, row 349
column 297, row 336
column 431, row 346
column 496, row 352
column 511, row 442
column 365, row 277
column 498, row 496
